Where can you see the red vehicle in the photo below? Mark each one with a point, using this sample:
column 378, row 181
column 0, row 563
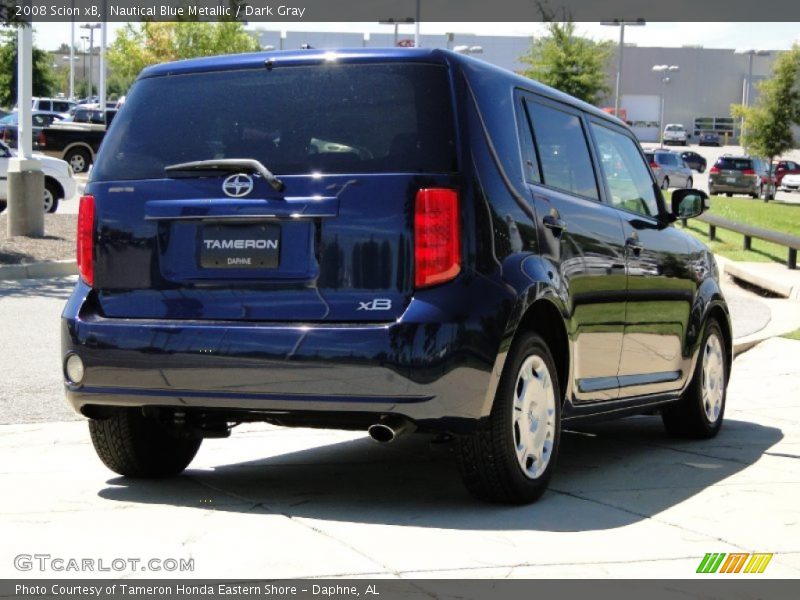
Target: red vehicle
column 785, row 167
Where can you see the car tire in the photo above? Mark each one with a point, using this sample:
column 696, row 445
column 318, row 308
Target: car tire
column 134, row 445
column 689, row 182
column 702, row 169
column 2, row 205
column 699, row 412
column 79, row 159
column 511, row 455
column 729, row 194
column 665, row 183
column 51, row 196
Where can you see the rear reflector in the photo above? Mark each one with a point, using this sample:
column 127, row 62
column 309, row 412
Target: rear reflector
column 437, row 237
column 86, row 239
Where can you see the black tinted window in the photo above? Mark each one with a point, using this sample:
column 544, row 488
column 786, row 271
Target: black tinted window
column 736, row 164
column 332, row 118
column 563, row 151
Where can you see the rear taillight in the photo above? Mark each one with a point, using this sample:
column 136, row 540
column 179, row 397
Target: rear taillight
column 41, row 139
column 86, row 239
column 654, row 165
column 748, row 172
column 713, row 170
column 437, row 237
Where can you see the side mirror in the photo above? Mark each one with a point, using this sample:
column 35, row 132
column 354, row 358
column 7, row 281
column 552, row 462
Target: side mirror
column 688, row 203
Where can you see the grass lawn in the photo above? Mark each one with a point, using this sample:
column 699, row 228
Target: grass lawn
column 793, row 335
column 770, row 215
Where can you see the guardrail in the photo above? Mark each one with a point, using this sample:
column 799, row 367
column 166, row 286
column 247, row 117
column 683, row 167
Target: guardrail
column 791, row 242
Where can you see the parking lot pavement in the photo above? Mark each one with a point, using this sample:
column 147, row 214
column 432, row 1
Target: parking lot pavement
column 627, row 501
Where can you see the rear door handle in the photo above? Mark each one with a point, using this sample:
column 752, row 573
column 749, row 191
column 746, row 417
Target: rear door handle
column 556, row 224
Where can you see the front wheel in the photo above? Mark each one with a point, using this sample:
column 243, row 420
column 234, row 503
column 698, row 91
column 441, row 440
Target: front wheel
column 699, row 412
column 511, row 456
column 134, row 445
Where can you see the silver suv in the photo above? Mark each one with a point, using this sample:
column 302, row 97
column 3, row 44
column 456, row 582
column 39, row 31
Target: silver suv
column 670, row 169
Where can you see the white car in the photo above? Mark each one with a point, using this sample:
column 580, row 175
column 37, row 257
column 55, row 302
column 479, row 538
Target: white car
column 791, row 182
column 58, row 180
column 674, row 133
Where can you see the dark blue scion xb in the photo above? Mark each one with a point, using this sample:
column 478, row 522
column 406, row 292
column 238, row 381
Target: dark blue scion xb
column 388, row 240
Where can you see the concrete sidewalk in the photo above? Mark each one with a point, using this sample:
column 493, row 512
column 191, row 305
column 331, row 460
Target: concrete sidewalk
column 627, row 501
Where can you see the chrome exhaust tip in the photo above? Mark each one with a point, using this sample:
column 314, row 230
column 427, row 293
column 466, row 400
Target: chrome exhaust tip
column 389, row 430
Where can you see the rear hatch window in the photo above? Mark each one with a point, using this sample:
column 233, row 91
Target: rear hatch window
column 352, row 143
column 734, row 164
column 333, row 118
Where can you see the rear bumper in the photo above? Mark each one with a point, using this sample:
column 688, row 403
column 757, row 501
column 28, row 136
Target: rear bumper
column 733, row 189
column 439, row 375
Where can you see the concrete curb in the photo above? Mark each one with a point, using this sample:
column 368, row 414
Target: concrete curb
column 39, row 270
column 763, row 281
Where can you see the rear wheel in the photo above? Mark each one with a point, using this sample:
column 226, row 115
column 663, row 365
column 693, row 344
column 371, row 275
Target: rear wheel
column 510, row 458
column 78, row 159
column 51, row 194
column 133, row 445
column 699, row 412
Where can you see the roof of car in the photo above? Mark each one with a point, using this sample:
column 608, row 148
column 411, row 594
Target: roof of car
column 362, row 55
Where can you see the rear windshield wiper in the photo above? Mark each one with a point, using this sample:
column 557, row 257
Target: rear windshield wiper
column 230, row 164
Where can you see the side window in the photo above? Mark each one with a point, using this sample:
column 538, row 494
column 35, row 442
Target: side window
column 627, row 176
column 44, row 104
column 530, row 163
column 563, row 151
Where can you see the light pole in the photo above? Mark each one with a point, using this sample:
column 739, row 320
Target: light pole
column 662, row 70
column 84, row 39
column 91, row 27
column 416, row 25
column 748, row 84
column 72, row 55
column 621, row 23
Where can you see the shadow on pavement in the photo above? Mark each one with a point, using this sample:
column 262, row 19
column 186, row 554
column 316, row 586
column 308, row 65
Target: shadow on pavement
column 57, row 287
column 414, row 482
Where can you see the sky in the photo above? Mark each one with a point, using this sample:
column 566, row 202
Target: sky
column 766, row 36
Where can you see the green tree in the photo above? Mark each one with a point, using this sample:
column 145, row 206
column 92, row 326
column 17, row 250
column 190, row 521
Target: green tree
column 768, row 124
column 570, row 63
column 137, row 47
column 42, row 70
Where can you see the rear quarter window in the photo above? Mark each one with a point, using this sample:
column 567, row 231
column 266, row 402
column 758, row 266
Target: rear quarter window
column 338, row 118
